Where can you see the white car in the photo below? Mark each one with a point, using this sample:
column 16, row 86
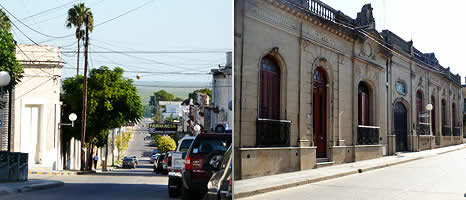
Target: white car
column 153, row 158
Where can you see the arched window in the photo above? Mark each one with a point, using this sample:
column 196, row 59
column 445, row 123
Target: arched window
column 432, row 114
column 363, row 104
column 453, row 115
column 444, row 116
column 419, row 106
column 269, row 107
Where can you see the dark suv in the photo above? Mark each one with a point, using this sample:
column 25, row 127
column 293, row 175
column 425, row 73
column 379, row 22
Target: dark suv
column 197, row 170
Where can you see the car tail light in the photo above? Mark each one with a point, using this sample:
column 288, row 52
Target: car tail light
column 169, row 161
column 187, row 162
column 164, row 160
column 231, row 182
column 132, row 162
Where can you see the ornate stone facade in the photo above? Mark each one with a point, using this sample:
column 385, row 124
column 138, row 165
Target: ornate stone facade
column 358, row 64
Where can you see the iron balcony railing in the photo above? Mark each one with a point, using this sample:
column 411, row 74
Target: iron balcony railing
column 457, row 129
column 446, row 129
column 273, row 133
column 423, row 128
column 368, row 135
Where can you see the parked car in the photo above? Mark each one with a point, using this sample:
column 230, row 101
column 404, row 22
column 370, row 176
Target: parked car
column 129, row 162
column 153, row 158
column 167, row 161
column 155, row 151
column 220, row 184
column 177, row 165
column 158, row 168
column 197, row 171
column 136, row 159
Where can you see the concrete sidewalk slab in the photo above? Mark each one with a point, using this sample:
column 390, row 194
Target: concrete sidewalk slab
column 60, row 173
column 30, row 185
column 254, row 186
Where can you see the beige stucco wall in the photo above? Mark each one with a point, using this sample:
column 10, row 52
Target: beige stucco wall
column 40, row 87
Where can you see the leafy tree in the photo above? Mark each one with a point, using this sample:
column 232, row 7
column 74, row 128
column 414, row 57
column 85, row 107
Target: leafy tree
column 76, row 18
column 163, row 95
column 112, row 102
column 193, row 95
column 165, row 144
column 5, row 23
column 8, row 60
column 121, row 143
column 178, row 99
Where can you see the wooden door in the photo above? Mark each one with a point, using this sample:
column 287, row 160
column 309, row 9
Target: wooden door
column 320, row 111
column 401, row 127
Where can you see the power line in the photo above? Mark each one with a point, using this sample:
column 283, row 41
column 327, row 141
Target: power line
column 45, row 11
column 132, row 10
column 29, row 26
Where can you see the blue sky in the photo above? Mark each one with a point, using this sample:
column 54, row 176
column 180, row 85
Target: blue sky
column 157, row 26
column 434, row 26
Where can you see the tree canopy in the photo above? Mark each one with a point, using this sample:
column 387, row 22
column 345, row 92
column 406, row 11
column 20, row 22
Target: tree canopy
column 112, row 102
column 5, row 23
column 193, row 96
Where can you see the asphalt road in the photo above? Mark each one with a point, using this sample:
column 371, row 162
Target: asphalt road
column 139, row 183
column 439, row 177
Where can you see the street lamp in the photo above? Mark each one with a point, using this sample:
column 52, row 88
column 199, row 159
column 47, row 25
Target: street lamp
column 72, row 117
column 4, row 81
column 4, row 78
column 429, row 108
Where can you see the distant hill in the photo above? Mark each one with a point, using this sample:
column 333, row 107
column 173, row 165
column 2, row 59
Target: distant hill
column 179, row 89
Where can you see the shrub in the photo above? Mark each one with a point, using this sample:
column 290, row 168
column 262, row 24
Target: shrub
column 166, row 144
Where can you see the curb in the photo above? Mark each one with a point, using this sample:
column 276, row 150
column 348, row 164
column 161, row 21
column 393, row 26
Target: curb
column 351, row 172
column 32, row 187
column 62, row 173
column 53, row 173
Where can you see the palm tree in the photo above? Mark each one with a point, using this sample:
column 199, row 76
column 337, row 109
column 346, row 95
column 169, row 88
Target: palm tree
column 76, row 17
column 4, row 21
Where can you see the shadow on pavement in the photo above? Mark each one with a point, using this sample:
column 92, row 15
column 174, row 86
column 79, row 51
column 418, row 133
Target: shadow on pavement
column 81, row 191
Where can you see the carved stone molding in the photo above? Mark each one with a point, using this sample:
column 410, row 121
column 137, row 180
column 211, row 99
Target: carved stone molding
column 261, row 11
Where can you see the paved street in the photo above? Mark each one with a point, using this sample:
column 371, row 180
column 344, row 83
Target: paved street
column 438, row 177
column 139, row 183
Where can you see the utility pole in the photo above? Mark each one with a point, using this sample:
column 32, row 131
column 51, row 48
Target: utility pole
column 83, row 127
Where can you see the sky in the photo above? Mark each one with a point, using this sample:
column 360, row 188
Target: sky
column 151, row 25
column 434, row 26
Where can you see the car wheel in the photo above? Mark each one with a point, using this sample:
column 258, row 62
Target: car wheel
column 187, row 194
column 172, row 192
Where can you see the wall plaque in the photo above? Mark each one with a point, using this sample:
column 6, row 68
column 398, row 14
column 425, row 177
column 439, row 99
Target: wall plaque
column 401, row 88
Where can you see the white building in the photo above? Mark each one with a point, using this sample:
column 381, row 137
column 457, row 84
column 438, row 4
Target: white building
column 221, row 96
column 37, row 106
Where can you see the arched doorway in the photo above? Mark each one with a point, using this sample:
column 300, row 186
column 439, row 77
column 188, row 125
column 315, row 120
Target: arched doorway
column 401, row 126
column 319, row 93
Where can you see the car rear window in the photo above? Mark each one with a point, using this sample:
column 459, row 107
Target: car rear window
column 127, row 159
column 206, row 145
column 185, row 144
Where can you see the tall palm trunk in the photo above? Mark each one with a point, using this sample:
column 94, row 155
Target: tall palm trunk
column 77, row 66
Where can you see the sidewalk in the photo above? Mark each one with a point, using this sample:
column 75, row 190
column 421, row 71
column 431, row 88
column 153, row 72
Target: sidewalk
column 30, row 185
column 68, row 172
column 255, row 186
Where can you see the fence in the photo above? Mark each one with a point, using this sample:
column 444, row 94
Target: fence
column 13, row 166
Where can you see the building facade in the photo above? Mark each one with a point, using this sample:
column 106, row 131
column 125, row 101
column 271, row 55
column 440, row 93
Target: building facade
column 314, row 87
column 220, row 114
column 37, row 106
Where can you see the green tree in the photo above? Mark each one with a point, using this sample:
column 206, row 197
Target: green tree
column 165, row 144
column 76, row 18
column 5, row 23
column 112, row 102
column 163, row 95
column 8, row 60
column 121, row 143
column 193, row 95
